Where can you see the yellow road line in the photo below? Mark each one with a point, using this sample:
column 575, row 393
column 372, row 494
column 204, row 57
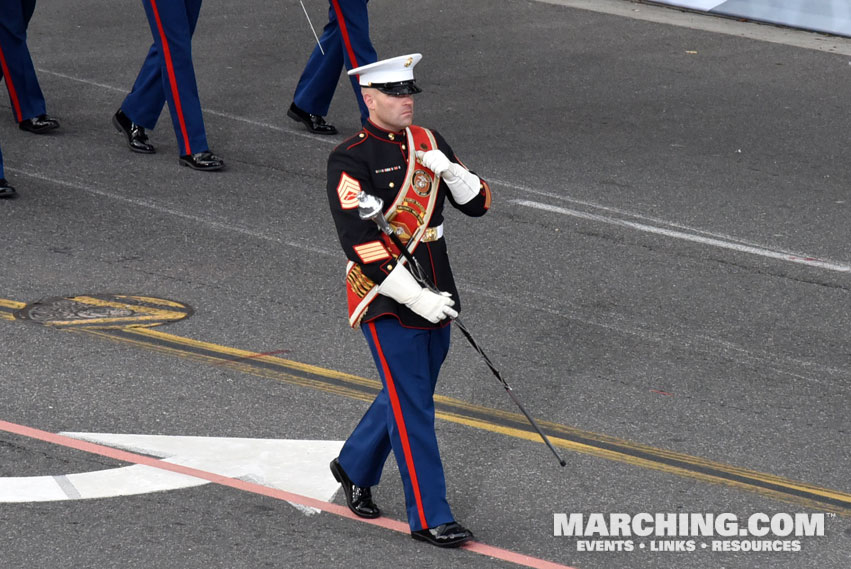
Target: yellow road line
column 497, row 422
column 118, row 322
column 479, row 417
column 158, row 312
column 237, row 353
column 152, row 300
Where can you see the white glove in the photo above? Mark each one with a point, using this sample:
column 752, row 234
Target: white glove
column 463, row 184
column 401, row 286
column 434, row 160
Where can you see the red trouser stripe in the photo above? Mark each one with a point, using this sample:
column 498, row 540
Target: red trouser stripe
column 345, row 32
column 13, row 94
column 400, row 423
column 172, row 79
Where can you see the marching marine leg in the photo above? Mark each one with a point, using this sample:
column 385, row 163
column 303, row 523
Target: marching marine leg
column 142, row 107
column 17, row 68
column 405, row 358
column 168, row 76
column 402, row 417
column 345, row 42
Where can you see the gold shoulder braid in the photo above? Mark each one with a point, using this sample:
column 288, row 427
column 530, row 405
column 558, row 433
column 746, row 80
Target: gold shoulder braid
column 360, row 283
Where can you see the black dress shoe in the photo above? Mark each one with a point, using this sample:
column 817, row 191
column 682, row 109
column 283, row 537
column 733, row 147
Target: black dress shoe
column 137, row 140
column 39, row 124
column 6, row 191
column 445, row 535
column 202, row 161
column 314, row 123
column 358, row 499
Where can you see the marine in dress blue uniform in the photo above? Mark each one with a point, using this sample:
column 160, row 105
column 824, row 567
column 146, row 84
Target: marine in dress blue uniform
column 168, row 75
column 407, row 326
column 345, row 41
column 16, row 65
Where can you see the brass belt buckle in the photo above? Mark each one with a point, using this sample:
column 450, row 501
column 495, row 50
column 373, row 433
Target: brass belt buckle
column 430, row 235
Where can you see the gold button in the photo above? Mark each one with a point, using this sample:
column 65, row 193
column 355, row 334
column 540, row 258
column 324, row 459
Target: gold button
column 389, row 267
column 391, row 136
column 392, row 184
column 361, row 135
column 403, row 147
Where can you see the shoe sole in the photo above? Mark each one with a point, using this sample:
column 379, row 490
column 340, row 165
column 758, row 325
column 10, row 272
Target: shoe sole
column 444, row 545
column 306, row 123
column 201, row 169
column 40, row 130
column 121, row 130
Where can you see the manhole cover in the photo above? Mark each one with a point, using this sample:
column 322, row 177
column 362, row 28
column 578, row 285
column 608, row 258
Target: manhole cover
column 104, row 311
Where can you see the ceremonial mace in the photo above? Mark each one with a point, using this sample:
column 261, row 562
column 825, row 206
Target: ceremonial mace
column 312, row 29
column 371, row 208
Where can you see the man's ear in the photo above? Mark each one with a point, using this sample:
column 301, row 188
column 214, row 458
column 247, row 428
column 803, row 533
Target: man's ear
column 368, row 99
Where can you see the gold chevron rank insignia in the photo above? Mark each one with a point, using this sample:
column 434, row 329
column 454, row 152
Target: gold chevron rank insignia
column 348, row 190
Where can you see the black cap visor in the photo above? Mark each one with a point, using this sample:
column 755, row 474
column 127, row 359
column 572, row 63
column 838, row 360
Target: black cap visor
column 398, row 88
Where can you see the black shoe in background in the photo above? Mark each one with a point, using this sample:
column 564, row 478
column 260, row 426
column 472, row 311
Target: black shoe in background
column 206, row 161
column 137, row 139
column 314, row 123
column 39, row 124
column 6, row 191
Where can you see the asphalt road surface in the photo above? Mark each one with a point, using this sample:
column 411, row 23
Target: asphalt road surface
column 663, row 278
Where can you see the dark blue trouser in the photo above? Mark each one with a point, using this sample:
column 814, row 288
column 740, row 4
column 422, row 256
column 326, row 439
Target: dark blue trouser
column 167, row 75
column 345, row 41
column 2, row 174
column 401, row 418
column 16, row 65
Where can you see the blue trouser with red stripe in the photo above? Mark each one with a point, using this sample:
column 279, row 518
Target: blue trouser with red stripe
column 15, row 61
column 345, row 41
column 167, row 75
column 401, row 418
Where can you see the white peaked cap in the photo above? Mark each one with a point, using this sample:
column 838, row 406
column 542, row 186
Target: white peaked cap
column 393, row 70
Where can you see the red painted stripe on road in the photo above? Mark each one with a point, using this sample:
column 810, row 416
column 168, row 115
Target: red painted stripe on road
column 13, row 94
column 400, row 423
column 172, row 78
column 342, row 511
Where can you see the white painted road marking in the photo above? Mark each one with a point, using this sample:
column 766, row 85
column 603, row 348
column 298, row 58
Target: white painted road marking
column 278, row 494
column 296, row 466
column 688, row 233
column 703, row 240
